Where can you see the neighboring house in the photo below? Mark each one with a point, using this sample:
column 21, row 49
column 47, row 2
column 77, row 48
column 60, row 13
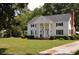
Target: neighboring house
column 54, row 25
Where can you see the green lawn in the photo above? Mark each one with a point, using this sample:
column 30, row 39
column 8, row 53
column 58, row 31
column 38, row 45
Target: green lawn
column 24, row 46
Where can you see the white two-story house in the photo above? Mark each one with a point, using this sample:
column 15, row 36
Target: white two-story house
column 54, row 25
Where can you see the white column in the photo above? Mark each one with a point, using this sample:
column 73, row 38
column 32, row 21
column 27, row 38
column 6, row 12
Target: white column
column 49, row 30
column 44, row 29
column 34, row 31
column 39, row 30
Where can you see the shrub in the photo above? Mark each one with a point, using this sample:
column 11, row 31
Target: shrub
column 64, row 37
column 22, row 36
column 52, row 38
column 77, row 37
column 57, row 37
column 61, row 39
column 72, row 37
column 67, row 38
column 30, row 37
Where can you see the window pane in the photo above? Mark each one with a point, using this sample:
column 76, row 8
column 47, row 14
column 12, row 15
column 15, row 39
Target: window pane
column 32, row 25
column 59, row 32
column 59, row 24
column 32, row 32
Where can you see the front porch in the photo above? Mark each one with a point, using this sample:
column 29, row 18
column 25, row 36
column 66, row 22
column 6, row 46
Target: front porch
column 44, row 30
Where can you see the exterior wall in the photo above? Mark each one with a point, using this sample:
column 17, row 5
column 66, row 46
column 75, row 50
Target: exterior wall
column 33, row 29
column 53, row 28
column 64, row 28
column 28, row 29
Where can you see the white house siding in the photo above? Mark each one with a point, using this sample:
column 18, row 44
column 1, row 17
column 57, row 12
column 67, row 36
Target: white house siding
column 28, row 29
column 64, row 28
column 53, row 29
column 33, row 29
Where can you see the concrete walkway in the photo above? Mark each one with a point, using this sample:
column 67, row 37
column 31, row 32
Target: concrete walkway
column 66, row 49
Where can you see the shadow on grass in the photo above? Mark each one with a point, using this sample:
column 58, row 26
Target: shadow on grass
column 29, row 54
column 40, row 39
column 2, row 51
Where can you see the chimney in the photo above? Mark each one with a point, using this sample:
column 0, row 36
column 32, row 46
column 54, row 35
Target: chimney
column 72, row 22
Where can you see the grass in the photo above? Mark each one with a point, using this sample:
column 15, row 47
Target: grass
column 24, row 46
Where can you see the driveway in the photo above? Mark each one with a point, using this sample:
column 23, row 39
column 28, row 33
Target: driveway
column 66, row 49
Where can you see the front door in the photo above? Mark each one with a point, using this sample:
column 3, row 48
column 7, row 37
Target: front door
column 41, row 33
column 46, row 33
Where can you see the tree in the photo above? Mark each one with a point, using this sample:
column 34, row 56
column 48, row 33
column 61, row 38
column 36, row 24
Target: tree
column 48, row 9
column 21, row 18
column 7, row 15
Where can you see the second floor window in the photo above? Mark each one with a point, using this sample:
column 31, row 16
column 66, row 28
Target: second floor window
column 32, row 25
column 59, row 24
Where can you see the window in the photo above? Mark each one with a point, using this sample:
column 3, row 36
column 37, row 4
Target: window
column 59, row 32
column 32, row 32
column 59, row 24
column 32, row 25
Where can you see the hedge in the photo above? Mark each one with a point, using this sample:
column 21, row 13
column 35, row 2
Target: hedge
column 73, row 37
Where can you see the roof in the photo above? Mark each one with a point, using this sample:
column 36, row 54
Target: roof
column 59, row 17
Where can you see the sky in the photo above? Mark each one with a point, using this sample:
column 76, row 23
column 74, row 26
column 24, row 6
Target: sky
column 35, row 3
column 32, row 6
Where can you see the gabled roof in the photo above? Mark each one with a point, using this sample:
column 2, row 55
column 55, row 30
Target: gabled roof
column 59, row 17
